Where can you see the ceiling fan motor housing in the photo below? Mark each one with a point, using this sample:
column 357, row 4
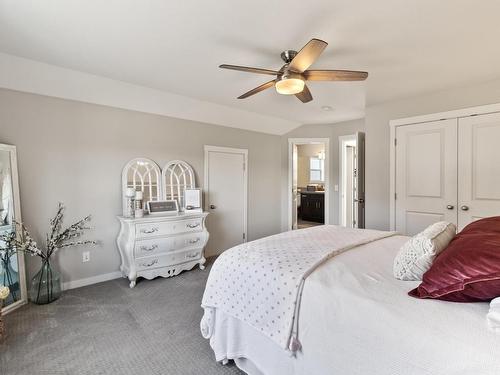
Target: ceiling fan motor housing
column 288, row 55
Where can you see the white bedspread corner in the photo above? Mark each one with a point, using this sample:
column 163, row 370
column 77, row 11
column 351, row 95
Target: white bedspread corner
column 260, row 282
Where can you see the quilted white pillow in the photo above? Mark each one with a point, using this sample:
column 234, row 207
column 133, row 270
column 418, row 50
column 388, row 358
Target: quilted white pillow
column 416, row 256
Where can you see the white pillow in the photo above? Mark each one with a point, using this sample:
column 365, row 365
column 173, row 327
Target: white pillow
column 416, row 256
column 493, row 316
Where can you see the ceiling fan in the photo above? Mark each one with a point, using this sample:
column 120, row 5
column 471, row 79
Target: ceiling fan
column 290, row 79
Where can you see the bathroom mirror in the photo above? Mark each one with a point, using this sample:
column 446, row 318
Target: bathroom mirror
column 177, row 175
column 142, row 175
column 12, row 271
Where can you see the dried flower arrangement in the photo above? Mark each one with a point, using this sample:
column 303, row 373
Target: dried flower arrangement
column 46, row 286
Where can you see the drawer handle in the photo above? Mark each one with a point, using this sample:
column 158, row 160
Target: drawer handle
column 189, row 225
column 150, row 248
column 194, row 241
column 152, row 263
column 149, row 231
column 191, row 256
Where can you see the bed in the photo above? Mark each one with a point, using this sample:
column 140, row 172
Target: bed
column 355, row 318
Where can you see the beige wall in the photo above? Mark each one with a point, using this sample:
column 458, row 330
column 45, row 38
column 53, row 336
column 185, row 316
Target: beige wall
column 376, row 127
column 304, row 153
column 74, row 152
column 377, row 138
column 331, row 131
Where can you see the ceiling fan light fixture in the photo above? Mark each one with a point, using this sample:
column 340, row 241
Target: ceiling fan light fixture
column 290, row 85
column 291, row 78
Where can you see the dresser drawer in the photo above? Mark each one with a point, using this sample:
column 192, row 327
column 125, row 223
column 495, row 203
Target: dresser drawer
column 167, row 259
column 148, row 230
column 191, row 240
column 154, row 246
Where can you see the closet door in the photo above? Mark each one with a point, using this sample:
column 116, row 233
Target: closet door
column 426, row 175
column 479, row 168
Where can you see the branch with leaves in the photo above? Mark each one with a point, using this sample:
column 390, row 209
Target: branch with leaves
column 58, row 239
column 18, row 240
column 21, row 240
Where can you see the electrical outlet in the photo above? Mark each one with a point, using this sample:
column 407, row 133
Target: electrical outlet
column 85, row 256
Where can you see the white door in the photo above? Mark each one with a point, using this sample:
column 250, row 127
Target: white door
column 426, row 175
column 295, row 190
column 478, row 168
column 225, row 197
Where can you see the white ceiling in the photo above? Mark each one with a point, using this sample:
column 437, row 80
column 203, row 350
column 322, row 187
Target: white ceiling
column 409, row 47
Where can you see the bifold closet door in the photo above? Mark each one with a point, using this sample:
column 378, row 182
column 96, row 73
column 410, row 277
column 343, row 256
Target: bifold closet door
column 426, row 175
column 478, row 168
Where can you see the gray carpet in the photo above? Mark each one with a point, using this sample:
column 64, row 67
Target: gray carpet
column 109, row 328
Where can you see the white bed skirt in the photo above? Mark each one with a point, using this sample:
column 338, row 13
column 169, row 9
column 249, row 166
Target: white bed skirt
column 235, row 340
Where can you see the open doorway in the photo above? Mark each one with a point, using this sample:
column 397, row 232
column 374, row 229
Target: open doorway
column 308, row 184
column 351, row 176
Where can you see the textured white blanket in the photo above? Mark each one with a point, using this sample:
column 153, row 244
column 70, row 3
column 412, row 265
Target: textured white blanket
column 260, row 282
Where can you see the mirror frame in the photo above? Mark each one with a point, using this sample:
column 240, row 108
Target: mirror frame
column 125, row 169
column 187, row 174
column 17, row 216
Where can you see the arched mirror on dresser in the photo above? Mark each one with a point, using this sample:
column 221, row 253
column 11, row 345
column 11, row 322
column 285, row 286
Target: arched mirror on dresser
column 12, row 271
column 144, row 175
column 177, row 175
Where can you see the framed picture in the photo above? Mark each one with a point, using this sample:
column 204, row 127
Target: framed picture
column 192, row 199
column 167, row 207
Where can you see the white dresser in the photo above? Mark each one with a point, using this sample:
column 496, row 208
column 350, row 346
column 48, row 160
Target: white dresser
column 163, row 246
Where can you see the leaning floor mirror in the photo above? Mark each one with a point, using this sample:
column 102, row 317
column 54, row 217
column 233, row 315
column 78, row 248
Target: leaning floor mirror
column 12, row 270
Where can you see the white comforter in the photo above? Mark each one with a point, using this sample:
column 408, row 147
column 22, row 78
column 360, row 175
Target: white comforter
column 260, row 282
column 357, row 319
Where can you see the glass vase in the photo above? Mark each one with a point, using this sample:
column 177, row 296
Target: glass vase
column 45, row 286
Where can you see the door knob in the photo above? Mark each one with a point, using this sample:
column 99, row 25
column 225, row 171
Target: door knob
column 450, row 207
column 212, row 207
column 464, row 208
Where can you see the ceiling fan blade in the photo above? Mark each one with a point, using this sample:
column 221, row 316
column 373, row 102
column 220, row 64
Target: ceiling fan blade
column 258, row 89
column 305, row 95
column 307, row 55
column 249, row 69
column 334, row 75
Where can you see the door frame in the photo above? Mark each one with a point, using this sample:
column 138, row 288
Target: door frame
column 343, row 140
column 229, row 150
column 393, row 124
column 304, row 141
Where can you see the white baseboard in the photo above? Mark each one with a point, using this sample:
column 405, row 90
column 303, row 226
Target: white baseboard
column 91, row 280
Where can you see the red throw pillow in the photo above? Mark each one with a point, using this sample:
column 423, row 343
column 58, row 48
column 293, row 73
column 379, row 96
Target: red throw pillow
column 488, row 225
column 468, row 270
